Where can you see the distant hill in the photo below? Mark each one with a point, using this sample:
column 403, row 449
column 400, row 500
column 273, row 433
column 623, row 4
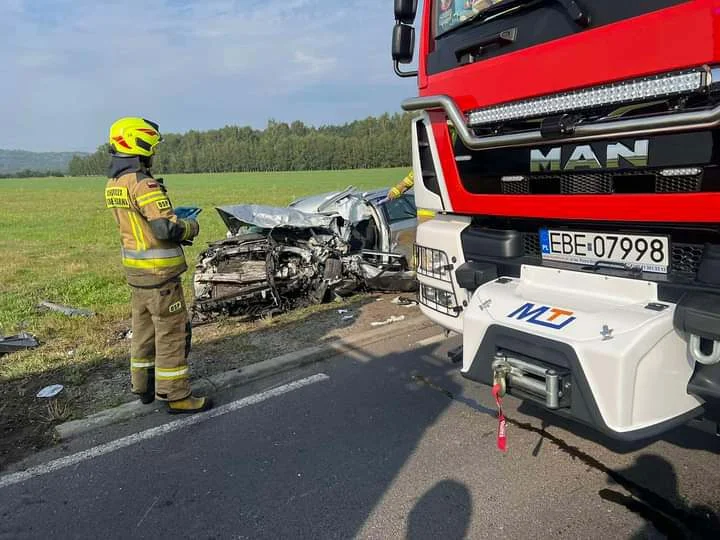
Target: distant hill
column 12, row 161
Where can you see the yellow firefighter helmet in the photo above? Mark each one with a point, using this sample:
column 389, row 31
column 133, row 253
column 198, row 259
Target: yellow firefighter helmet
column 134, row 136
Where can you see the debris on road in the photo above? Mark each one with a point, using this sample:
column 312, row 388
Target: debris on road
column 389, row 320
column 19, row 342
column 50, row 391
column 65, row 310
column 404, row 301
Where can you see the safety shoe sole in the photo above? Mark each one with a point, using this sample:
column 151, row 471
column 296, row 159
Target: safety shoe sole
column 207, row 406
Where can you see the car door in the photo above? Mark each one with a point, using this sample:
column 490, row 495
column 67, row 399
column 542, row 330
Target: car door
column 401, row 216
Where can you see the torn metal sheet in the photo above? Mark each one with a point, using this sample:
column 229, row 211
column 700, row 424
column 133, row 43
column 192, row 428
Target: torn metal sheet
column 319, row 248
column 65, row 310
column 270, row 217
column 351, row 204
column 20, row 342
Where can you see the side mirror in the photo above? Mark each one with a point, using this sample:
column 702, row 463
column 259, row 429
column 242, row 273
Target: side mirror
column 403, row 43
column 405, row 11
column 403, row 38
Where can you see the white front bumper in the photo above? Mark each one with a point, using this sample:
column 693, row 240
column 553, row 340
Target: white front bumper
column 635, row 363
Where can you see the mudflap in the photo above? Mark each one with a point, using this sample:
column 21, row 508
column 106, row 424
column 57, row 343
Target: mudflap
column 600, row 350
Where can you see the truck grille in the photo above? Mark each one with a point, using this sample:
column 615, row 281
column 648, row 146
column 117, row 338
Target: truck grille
column 643, row 181
column 685, row 257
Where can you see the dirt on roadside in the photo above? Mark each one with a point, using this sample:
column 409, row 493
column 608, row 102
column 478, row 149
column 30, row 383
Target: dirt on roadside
column 27, row 422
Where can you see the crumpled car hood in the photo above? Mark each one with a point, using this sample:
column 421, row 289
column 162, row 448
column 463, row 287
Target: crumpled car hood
column 271, row 217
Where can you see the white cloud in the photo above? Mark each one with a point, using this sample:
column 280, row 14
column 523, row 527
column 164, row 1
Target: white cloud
column 190, row 65
column 314, row 65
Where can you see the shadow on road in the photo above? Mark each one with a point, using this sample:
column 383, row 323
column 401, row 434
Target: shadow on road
column 654, row 495
column 683, row 437
column 314, row 463
column 443, row 512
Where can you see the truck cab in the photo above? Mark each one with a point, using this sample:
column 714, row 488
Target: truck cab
column 569, row 150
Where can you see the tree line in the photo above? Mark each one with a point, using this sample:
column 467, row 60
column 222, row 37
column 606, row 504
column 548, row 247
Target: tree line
column 374, row 142
column 29, row 173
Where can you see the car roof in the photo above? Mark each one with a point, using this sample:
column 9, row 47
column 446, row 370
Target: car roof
column 310, row 203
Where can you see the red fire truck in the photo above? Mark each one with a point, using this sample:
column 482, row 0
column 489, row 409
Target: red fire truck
column 568, row 150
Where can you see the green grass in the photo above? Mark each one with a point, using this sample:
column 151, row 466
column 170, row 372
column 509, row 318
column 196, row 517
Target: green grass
column 59, row 243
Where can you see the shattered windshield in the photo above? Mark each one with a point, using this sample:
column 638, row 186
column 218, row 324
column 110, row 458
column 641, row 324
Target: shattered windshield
column 453, row 13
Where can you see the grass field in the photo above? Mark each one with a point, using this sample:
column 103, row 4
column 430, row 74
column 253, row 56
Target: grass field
column 59, row 243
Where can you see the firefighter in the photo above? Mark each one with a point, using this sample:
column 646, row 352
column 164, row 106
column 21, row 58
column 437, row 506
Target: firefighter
column 401, row 187
column 151, row 238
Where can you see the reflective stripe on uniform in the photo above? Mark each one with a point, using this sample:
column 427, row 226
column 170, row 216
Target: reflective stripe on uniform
column 152, row 253
column 171, row 374
column 141, row 363
column 153, row 258
column 188, row 230
column 157, row 198
column 422, row 212
column 152, row 196
column 148, row 264
column 137, row 231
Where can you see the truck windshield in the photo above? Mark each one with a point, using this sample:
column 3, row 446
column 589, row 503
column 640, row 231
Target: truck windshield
column 453, row 13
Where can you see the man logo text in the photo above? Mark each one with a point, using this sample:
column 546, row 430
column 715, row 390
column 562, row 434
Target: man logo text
column 549, row 317
column 585, row 157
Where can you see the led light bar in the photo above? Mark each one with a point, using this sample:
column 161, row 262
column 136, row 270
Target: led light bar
column 658, row 86
column 686, row 171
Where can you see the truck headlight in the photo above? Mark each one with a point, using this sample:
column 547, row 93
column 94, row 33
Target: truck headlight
column 439, row 300
column 432, row 263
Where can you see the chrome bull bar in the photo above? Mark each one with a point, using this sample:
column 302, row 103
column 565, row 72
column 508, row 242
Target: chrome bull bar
column 649, row 125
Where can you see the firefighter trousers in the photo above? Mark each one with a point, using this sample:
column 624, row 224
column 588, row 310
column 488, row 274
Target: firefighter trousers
column 161, row 336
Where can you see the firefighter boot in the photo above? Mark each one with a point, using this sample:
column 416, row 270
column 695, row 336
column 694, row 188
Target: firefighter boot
column 189, row 405
column 148, row 396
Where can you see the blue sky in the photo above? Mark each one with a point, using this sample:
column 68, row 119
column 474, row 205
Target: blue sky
column 68, row 68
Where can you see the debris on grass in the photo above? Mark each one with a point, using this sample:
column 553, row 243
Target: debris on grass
column 50, row 391
column 389, row 320
column 19, row 342
column 65, row 310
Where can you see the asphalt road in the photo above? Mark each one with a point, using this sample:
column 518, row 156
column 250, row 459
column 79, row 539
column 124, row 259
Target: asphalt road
column 387, row 442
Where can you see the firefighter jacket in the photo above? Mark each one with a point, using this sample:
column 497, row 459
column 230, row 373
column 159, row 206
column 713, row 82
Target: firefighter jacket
column 402, row 186
column 150, row 233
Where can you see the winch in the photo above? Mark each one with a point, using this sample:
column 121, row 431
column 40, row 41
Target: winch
column 603, row 350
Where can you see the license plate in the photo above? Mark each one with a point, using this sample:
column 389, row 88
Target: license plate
column 651, row 253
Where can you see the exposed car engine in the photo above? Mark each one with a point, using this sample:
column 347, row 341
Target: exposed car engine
column 275, row 260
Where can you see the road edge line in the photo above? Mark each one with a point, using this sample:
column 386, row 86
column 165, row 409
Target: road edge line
column 238, row 377
column 150, row 433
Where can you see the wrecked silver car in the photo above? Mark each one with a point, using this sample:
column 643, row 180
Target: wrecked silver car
column 317, row 248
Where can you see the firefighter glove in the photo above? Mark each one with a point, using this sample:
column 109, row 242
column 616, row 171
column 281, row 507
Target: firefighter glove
column 192, row 229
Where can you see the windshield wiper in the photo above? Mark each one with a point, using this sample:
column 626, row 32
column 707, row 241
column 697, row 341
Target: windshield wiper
column 570, row 7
